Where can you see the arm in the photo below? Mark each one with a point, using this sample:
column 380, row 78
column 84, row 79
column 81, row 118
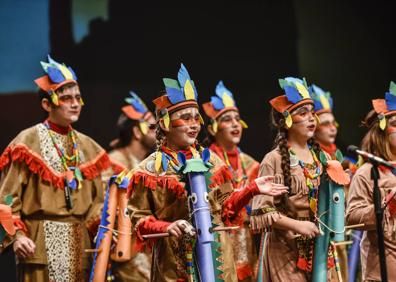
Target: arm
column 360, row 207
column 94, row 213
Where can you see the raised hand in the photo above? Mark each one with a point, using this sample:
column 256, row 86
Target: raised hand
column 267, row 187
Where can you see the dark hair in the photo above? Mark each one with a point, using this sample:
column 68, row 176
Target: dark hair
column 278, row 121
column 124, row 131
column 375, row 141
column 209, row 138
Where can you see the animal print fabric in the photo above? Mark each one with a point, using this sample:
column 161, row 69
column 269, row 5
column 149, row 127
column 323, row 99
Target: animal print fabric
column 63, row 243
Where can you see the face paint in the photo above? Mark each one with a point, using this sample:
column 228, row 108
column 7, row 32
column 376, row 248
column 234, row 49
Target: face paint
column 229, row 130
column 187, row 117
column 303, row 114
column 304, row 122
column 326, row 132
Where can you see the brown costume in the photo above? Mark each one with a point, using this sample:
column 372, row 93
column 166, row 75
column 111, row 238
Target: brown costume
column 360, row 209
column 281, row 254
column 32, row 173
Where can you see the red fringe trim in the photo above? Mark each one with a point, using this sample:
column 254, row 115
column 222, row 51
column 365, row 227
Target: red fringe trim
column 36, row 165
column 151, row 182
column 116, row 166
column 244, row 271
column 221, row 176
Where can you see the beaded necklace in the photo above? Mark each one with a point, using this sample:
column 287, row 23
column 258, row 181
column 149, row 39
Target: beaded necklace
column 73, row 175
column 241, row 164
column 313, row 189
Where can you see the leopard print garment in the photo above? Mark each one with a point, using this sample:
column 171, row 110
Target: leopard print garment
column 63, row 243
column 48, row 151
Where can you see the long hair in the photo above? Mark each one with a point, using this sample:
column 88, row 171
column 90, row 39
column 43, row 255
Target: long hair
column 124, row 131
column 376, row 140
column 278, row 122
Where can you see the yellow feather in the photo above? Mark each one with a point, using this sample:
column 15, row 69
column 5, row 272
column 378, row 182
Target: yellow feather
column 325, row 102
column 214, row 126
column 201, row 121
column 382, row 123
column 66, row 73
column 82, row 102
column 143, row 127
column 302, row 90
column 243, row 123
column 166, row 120
column 189, row 91
column 54, row 98
column 129, row 174
column 289, row 121
column 120, row 176
column 158, row 161
column 227, row 101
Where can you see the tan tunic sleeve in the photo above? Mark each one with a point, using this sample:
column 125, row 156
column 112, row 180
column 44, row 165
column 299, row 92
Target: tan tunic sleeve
column 12, row 180
column 264, row 210
column 360, row 206
column 94, row 213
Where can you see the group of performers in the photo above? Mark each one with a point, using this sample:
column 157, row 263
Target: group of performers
column 162, row 206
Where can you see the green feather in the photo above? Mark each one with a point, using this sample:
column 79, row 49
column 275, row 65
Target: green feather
column 339, row 156
column 171, row 83
column 322, row 158
column 392, row 88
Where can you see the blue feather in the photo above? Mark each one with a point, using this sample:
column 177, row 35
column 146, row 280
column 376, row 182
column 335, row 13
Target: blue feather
column 220, row 89
column 137, row 103
column 73, row 73
column 292, row 94
column 293, row 80
column 390, row 101
column 181, row 158
column 175, row 95
column 55, row 75
column 183, row 75
column 206, row 155
column 217, row 103
column 164, row 162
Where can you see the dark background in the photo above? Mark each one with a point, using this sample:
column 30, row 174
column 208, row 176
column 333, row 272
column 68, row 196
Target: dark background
column 346, row 48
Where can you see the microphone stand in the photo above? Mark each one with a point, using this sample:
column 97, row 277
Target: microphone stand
column 379, row 215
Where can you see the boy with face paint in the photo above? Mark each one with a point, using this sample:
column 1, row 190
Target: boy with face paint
column 224, row 135
column 159, row 200
column 53, row 173
column 379, row 140
column 136, row 139
column 288, row 221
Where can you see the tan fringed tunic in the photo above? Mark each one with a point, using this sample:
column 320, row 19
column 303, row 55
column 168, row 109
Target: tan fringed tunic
column 138, row 268
column 279, row 251
column 32, row 173
column 360, row 209
column 163, row 198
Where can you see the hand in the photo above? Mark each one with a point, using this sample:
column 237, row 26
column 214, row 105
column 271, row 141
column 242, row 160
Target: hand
column 179, row 227
column 24, row 247
column 307, row 229
column 267, row 187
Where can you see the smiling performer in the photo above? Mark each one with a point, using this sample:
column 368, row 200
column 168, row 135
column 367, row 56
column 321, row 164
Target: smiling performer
column 159, row 191
column 52, row 173
column 224, row 135
column 380, row 140
column 294, row 161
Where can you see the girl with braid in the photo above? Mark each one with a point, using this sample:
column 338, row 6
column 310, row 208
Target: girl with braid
column 288, row 221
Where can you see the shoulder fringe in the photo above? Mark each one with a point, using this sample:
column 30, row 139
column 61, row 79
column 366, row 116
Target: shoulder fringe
column 34, row 162
column 172, row 182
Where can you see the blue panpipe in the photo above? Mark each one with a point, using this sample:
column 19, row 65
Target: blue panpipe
column 195, row 170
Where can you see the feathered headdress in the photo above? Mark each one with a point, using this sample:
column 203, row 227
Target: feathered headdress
column 297, row 94
column 219, row 104
column 137, row 110
column 57, row 76
column 180, row 93
column 386, row 107
column 323, row 102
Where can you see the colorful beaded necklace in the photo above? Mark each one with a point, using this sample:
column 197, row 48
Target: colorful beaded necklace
column 73, row 175
column 313, row 189
column 241, row 165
